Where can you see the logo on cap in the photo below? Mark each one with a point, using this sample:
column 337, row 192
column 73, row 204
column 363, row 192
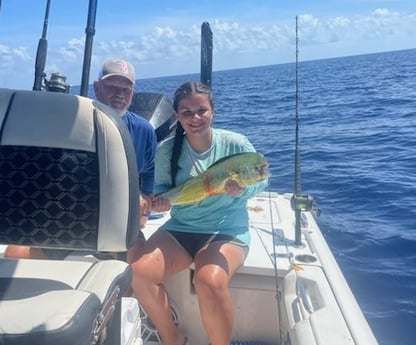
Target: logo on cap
column 123, row 66
column 117, row 67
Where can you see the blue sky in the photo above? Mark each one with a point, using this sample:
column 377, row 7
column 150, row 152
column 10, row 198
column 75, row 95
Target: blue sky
column 162, row 37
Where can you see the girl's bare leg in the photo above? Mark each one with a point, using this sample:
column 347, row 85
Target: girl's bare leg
column 157, row 259
column 214, row 267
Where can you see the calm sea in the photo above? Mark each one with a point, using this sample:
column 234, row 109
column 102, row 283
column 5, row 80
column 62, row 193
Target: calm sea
column 358, row 160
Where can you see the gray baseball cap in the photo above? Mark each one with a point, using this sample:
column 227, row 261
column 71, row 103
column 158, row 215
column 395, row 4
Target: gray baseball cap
column 118, row 67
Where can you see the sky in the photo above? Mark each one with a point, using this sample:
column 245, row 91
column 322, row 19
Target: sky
column 162, row 37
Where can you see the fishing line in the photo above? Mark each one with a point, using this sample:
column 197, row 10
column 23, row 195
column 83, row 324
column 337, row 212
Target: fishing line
column 278, row 294
column 299, row 202
column 297, row 149
column 297, row 192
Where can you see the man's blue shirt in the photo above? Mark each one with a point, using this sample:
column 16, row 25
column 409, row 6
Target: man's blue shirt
column 144, row 142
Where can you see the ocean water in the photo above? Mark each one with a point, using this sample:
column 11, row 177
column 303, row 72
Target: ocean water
column 358, row 160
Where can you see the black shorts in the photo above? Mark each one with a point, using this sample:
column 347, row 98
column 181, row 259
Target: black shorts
column 193, row 242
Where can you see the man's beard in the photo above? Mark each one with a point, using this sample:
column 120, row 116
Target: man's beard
column 120, row 112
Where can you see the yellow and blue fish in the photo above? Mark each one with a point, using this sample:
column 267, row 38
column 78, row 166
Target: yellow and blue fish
column 245, row 168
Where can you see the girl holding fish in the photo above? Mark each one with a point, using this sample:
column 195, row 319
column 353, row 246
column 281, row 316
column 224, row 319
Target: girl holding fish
column 213, row 233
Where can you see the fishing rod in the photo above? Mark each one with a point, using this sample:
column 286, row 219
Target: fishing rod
column 90, row 32
column 299, row 202
column 206, row 54
column 41, row 53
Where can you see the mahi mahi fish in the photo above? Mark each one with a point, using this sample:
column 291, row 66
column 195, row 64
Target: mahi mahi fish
column 246, row 168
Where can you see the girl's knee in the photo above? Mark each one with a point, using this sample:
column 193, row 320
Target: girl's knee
column 210, row 281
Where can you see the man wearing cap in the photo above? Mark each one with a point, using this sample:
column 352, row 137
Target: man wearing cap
column 115, row 88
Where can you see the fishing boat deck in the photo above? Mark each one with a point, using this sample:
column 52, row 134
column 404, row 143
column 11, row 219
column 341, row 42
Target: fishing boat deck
column 308, row 294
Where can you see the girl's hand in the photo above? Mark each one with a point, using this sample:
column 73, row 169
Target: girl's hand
column 145, row 201
column 160, row 204
column 233, row 188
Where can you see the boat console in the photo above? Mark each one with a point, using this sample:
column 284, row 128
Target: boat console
column 157, row 109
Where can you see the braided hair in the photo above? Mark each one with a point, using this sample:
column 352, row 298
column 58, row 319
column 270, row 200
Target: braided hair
column 183, row 91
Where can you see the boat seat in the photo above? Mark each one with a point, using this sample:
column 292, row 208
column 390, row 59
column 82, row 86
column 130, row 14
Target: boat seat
column 68, row 182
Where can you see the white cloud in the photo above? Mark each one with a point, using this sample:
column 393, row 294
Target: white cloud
column 73, row 50
column 10, row 55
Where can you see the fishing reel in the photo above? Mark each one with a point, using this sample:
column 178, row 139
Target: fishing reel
column 302, row 202
column 57, row 83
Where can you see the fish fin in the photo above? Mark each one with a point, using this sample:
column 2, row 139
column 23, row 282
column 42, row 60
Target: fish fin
column 226, row 158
